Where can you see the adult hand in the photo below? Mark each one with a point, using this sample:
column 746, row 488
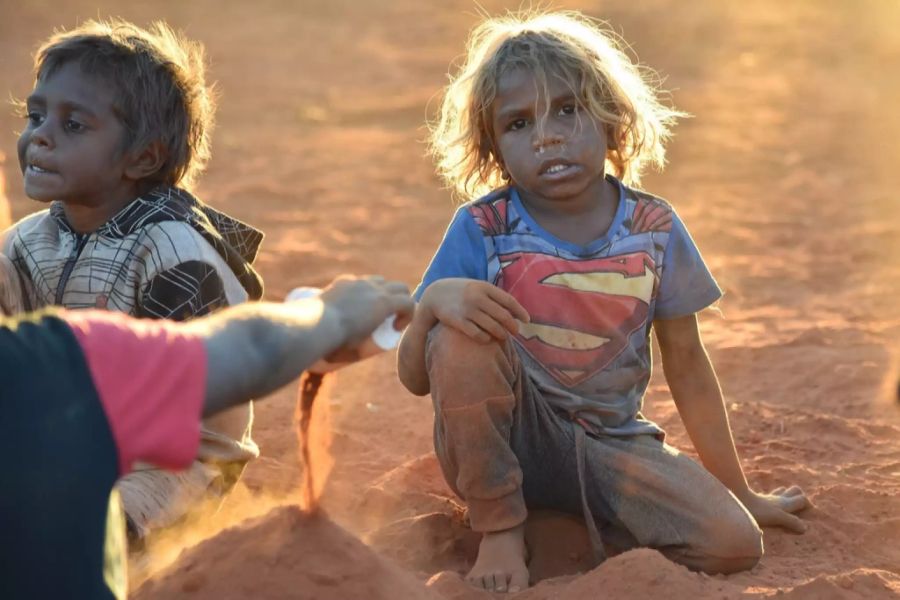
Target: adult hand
column 363, row 303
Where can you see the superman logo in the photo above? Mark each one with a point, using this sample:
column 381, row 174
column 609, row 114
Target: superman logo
column 582, row 311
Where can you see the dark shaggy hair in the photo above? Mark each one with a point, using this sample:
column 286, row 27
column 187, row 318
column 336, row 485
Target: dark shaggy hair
column 160, row 89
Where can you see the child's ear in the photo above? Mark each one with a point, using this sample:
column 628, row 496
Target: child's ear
column 612, row 143
column 146, row 162
column 499, row 161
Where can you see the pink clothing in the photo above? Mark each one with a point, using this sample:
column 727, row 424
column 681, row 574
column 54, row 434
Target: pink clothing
column 151, row 380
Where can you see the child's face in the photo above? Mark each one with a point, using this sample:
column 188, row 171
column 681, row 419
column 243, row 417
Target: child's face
column 562, row 160
column 72, row 146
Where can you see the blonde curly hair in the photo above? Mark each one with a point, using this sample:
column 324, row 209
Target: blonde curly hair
column 621, row 95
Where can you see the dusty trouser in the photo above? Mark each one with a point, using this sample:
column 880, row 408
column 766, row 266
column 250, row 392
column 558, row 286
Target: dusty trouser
column 503, row 449
column 155, row 498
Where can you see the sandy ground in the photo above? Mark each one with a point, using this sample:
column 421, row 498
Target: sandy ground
column 786, row 176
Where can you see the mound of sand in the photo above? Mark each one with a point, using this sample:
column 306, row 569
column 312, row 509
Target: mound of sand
column 284, row 554
column 860, row 584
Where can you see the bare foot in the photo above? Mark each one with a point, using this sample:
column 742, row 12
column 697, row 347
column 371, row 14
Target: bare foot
column 500, row 566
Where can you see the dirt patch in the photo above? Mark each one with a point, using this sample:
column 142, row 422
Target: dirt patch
column 284, row 554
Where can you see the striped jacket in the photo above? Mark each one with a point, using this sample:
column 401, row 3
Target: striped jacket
column 165, row 255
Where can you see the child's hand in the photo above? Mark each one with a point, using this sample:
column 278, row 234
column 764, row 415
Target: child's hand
column 478, row 309
column 775, row 508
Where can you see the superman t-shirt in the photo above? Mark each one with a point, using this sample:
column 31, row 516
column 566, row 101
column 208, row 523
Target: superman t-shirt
column 587, row 347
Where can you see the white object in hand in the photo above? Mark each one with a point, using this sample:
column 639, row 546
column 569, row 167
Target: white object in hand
column 385, row 337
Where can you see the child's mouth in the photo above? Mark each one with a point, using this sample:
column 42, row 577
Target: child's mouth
column 558, row 170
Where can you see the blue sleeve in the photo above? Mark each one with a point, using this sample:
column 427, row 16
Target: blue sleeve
column 461, row 253
column 686, row 286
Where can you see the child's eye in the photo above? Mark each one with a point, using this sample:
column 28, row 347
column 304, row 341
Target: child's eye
column 34, row 118
column 74, row 126
column 516, row 125
column 568, row 109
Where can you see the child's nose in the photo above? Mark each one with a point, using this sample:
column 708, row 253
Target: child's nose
column 42, row 135
column 546, row 140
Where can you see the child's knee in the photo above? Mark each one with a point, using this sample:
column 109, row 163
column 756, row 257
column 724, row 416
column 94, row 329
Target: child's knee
column 449, row 348
column 465, row 373
column 736, row 544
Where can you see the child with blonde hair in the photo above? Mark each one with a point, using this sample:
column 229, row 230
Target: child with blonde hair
column 117, row 128
column 532, row 331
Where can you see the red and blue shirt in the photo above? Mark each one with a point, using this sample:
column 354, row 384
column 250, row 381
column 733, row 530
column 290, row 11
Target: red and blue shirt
column 587, row 347
column 85, row 394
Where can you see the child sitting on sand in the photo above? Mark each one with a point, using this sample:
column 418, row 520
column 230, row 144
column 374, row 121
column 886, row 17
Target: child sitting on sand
column 117, row 126
column 532, row 332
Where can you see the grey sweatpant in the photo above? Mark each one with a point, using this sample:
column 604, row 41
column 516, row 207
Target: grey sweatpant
column 503, row 450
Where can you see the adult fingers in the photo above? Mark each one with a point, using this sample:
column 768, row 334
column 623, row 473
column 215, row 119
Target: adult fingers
column 396, row 287
column 400, row 305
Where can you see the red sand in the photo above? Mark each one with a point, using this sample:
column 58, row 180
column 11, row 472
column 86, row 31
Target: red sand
column 285, row 554
column 787, row 177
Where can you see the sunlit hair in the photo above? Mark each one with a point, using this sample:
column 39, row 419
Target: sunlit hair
column 160, row 90
column 622, row 96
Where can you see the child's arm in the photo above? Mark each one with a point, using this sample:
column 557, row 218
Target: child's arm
column 700, row 404
column 479, row 309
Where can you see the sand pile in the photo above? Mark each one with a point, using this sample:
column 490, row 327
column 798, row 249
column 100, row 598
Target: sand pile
column 861, row 584
column 284, row 554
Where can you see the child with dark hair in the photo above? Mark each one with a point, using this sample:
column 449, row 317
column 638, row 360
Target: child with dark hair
column 117, row 127
column 532, row 332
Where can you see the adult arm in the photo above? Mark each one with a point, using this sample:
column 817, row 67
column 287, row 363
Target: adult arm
column 156, row 378
column 255, row 348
